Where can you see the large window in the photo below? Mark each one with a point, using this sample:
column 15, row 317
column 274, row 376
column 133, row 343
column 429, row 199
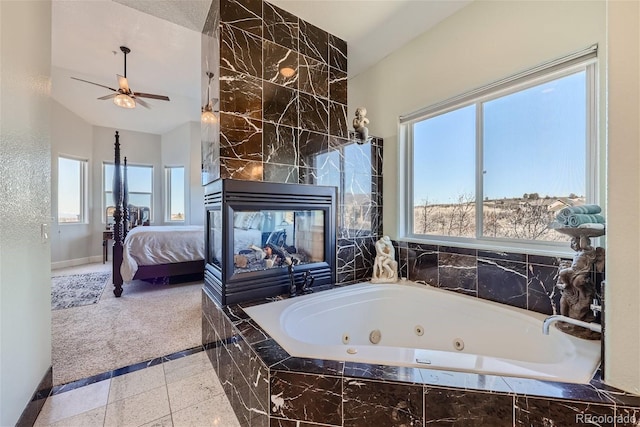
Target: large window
column 140, row 185
column 498, row 166
column 72, row 184
column 174, row 194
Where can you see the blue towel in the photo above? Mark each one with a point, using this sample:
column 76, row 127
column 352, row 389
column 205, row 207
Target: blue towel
column 578, row 219
column 565, row 213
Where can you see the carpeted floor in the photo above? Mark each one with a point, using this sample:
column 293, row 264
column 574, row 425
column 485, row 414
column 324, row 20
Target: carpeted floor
column 75, row 290
column 148, row 321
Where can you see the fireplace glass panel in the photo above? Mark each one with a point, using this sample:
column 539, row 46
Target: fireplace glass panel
column 215, row 237
column 265, row 239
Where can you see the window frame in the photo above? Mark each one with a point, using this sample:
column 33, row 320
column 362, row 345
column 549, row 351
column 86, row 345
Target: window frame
column 168, row 170
column 129, row 165
column 488, row 93
column 84, row 190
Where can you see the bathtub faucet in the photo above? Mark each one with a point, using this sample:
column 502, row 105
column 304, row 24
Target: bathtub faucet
column 307, row 283
column 292, row 278
column 560, row 318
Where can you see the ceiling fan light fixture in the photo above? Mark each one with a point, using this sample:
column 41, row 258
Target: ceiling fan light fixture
column 124, row 101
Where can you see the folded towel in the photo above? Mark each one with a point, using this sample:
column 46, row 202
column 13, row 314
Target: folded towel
column 592, row 226
column 583, row 209
column 577, row 219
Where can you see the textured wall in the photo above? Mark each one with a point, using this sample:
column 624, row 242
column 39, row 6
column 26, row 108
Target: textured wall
column 25, row 171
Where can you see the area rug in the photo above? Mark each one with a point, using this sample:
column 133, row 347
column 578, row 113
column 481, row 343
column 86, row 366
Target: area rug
column 148, row 321
column 77, row 289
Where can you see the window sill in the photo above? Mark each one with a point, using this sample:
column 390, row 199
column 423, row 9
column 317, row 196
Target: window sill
column 499, row 246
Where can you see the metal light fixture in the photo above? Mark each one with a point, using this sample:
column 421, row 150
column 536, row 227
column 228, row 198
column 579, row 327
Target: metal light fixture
column 208, row 115
column 124, row 101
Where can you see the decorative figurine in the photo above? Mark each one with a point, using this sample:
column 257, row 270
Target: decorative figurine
column 576, row 279
column 360, row 123
column 385, row 268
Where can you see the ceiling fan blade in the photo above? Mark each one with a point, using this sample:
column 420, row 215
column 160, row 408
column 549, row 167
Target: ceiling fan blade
column 123, row 83
column 96, row 84
column 152, row 96
column 113, row 95
column 144, row 104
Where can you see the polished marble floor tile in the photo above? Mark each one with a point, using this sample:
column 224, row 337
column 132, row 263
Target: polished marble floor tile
column 213, row 412
column 184, row 367
column 194, row 389
column 139, row 409
column 137, row 382
column 182, row 391
column 74, row 402
column 94, row 417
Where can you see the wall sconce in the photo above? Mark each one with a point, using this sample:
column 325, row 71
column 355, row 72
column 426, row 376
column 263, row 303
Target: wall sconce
column 208, row 115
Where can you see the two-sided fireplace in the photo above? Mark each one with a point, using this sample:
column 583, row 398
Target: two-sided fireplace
column 261, row 235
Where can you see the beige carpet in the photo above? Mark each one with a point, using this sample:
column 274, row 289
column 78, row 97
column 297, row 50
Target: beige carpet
column 148, row 321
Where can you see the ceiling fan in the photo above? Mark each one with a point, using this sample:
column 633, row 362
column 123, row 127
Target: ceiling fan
column 123, row 96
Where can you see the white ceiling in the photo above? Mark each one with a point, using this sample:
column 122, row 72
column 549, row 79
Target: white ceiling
column 164, row 39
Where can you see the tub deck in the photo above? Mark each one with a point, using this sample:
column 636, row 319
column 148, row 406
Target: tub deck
column 268, row 386
column 490, row 339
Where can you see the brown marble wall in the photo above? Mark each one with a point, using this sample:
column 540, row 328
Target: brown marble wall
column 516, row 279
column 264, row 115
column 290, row 129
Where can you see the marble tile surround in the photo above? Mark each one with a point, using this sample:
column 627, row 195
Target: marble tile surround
column 247, row 41
column 267, row 387
column 516, row 279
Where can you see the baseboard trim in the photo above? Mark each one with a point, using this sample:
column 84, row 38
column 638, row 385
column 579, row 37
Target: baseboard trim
column 33, row 408
column 74, row 262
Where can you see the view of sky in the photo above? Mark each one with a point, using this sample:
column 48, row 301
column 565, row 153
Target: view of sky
column 69, row 189
column 140, row 179
column 534, row 142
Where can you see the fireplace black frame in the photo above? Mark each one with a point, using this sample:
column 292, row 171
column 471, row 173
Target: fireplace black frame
column 227, row 195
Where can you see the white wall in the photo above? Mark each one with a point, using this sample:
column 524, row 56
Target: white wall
column 181, row 147
column 75, row 244
column 482, row 43
column 140, row 149
column 71, row 136
column 196, row 192
column 25, row 283
column 622, row 292
column 489, row 40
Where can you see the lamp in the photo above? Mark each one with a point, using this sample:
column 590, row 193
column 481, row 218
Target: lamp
column 124, row 101
column 208, row 116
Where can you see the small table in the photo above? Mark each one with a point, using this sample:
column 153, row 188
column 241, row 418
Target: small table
column 106, row 236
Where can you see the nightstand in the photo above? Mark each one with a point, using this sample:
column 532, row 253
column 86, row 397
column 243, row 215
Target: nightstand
column 106, row 236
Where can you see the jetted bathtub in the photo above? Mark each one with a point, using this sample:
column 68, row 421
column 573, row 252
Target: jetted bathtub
column 406, row 324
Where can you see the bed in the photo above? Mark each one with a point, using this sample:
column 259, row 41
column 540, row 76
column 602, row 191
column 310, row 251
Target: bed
column 148, row 252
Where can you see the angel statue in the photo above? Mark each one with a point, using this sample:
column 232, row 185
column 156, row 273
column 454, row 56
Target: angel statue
column 360, row 123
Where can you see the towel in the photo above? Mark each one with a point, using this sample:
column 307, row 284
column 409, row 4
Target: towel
column 577, row 219
column 565, row 213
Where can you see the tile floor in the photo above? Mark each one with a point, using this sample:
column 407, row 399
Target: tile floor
column 183, row 391
column 180, row 392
